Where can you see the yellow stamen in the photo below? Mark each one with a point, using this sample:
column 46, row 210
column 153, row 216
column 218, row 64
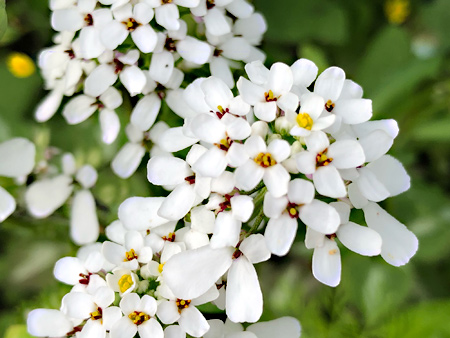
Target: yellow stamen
column 96, row 315
column 182, row 304
column 220, row 108
column 322, row 160
column 130, row 255
column 160, row 267
column 329, row 105
column 138, row 317
column 305, row 121
column 269, row 96
column 20, row 65
column 265, row 160
column 332, row 252
column 125, row 282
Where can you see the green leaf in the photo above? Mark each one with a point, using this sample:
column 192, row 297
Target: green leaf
column 3, row 18
column 433, row 131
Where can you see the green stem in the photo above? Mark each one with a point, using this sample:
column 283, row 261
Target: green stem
column 255, row 189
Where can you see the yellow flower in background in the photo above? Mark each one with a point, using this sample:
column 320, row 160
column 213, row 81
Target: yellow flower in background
column 397, row 11
column 20, row 65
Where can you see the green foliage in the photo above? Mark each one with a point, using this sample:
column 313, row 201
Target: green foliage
column 3, row 18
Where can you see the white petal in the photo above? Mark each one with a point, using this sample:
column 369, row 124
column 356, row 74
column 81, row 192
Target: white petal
column 370, row 187
column 168, row 312
column 280, row 78
column 178, row 203
column 167, row 170
column 354, row 111
column 212, row 163
column 236, row 48
column 249, row 175
column 399, row 244
column 257, row 72
column 244, row 301
column 216, row 92
column 286, row 327
column 265, row 111
column 274, row 206
column 320, row 216
column 140, row 213
column 376, row 144
column 161, row 66
column 48, row 106
column 127, row 159
column 84, row 226
column 202, row 219
column 300, row 191
column 111, row 98
column 77, row 305
column 356, row 197
column 328, row 182
column 326, row 263
column 113, row 34
column 7, row 204
column 304, row 72
column 346, row 154
column 79, row 109
column 142, row 13
column 45, row 196
column 87, row 176
column 392, row 174
column 280, row 234
column 193, row 322
column 226, row 231
column 173, row 140
column 276, row 179
column 48, row 323
column 194, row 50
column 362, row 240
column 17, row 157
column 68, row 19
column 145, row 38
column 216, row 23
column 329, row 84
column 187, row 280
column 99, row 80
column 124, row 328
column 145, row 112
column 110, row 125
column 242, row 207
column 306, row 162
column 167, row 16
column 219, row 68
column 68, row 269
column 313, row 238
column 133, row 79
column 91, row 45
column 151, row 329
column 255, row 248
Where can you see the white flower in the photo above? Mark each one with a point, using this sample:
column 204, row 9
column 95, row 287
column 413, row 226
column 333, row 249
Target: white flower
column 138, row 317
column 166, row 12
column 18, row 157
column 243, row 295
column 285, row 210
column 122, row 280
column 184, row 311
column 264, row 164
column 268, row 90
column 132, row 20
column 323, row 160
column 48, row 323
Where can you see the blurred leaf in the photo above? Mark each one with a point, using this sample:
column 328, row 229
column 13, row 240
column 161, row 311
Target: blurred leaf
column 17, row 331
column 435, row 18
column 298, row 20
column 433, row 131
column 424, row 320
column 384, row 290
column 3, row 18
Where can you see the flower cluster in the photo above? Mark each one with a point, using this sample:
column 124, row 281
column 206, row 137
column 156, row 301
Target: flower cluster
column 106, row 50
column 246, row 167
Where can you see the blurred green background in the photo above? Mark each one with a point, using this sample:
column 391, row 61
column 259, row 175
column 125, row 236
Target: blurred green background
column 397, row 50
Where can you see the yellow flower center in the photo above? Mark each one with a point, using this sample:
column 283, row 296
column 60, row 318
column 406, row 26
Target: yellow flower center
column 322, row 160
column 397, row 11
column 329, row 105
column 138, row 317
column 161, row 267
column 130, row 255
column 265, row 160
column 305, row 121
column 292, row 210
column 269, row 96
column 131, row 24
column 170, row 237
column 182, row 304
column 98, row 314
column 20, row 65
column 125, row 282
column 224, row 144
column 163, row 2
